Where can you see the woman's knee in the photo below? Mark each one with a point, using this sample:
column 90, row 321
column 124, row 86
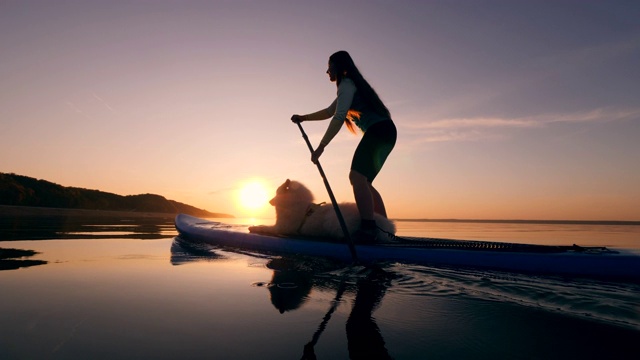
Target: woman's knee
column 357, row 179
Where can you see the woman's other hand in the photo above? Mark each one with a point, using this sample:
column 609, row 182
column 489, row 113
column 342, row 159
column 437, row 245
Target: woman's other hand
column 316, row 154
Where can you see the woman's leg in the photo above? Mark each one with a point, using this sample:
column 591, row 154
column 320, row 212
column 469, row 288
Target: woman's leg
column 370, row 155
column 363, row 194
column 378, row 204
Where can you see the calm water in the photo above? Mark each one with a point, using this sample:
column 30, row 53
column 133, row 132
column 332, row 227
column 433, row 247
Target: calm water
column 131, row 290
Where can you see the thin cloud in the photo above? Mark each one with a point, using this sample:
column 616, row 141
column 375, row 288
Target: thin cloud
column 103, row 102
column 475, row 123
column 77, row 110
column 440, row 136
column 597, row 115
column 488, row 128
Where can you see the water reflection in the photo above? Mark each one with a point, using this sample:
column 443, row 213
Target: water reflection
column 104, row 299
column 363, row 335
column 184, row 252
column 364, row 339
column 292, row 282
column 12, row 259
column 84, row 227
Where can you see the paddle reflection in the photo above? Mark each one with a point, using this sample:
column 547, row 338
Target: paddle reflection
column 291, row 284
column 364, row 339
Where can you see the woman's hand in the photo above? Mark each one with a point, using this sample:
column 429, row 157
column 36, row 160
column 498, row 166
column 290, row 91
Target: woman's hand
column 296, row 119
column 316, row 154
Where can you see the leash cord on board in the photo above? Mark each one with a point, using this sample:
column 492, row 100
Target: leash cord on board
column 436, row 243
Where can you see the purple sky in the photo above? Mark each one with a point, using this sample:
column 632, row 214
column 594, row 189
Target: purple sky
column 505, row 109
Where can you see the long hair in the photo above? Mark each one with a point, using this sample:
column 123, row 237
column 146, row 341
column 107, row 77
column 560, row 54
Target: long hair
column 344, row 66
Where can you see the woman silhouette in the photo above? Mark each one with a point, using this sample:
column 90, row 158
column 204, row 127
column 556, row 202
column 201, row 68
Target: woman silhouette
column 358, row 105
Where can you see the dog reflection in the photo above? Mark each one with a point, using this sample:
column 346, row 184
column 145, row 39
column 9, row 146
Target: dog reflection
column 290, row 289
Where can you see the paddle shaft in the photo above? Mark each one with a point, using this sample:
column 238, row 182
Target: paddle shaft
column 352, row 248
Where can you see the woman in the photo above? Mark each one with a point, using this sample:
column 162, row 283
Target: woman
column 358, row 104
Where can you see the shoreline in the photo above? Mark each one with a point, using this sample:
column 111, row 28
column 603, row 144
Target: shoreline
column 9, row 210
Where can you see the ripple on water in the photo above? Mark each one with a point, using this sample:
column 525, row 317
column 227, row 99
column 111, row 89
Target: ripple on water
column 615, row 303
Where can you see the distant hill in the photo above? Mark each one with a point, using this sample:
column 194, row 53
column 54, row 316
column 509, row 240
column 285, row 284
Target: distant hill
column 18, row 190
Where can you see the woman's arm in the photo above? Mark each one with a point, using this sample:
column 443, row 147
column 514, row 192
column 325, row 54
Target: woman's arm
column 322, row 114
column 346, row 91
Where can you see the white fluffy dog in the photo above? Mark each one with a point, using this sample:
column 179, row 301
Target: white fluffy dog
column 296, row 214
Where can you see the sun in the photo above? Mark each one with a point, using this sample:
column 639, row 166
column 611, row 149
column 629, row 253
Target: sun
column 253, row 195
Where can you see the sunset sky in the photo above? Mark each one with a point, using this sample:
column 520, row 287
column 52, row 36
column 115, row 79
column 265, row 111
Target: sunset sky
column 505, row 109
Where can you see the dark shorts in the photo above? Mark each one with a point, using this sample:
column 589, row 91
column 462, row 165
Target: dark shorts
column 376, row 144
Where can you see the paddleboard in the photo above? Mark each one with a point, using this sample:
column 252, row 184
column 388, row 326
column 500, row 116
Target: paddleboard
column 540, row 259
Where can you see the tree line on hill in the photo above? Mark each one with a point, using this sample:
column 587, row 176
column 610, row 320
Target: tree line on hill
column 19, row 190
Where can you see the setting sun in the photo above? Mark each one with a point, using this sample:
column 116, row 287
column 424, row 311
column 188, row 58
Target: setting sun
column 253, row 195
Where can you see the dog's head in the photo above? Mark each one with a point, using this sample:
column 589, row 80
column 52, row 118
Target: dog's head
column 291, row 192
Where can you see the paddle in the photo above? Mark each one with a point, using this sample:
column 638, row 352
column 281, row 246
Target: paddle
column 352, row 248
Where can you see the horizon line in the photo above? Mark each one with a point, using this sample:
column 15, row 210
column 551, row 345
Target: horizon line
column 525, row 221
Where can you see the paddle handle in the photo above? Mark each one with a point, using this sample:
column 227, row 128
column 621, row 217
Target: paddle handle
column 343, row 225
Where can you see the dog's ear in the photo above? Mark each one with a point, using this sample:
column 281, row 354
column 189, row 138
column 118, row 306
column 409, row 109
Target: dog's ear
column 287, row 183
column 293, row 185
